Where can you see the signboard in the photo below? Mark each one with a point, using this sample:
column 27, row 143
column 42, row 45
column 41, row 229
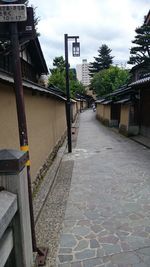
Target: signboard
column 12, row 1
column 12, row 13
column 26, row 29
column 9, row 1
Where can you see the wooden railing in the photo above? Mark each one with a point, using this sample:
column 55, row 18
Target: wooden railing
column 8, row 209
column 15, row 228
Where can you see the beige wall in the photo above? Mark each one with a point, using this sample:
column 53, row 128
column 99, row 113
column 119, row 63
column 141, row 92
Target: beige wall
column 78, row 105
column 124, row 117
column 84, row 104
column 9, row 137
column 103, row 112
column 46, row 123
column 74, row 109
column 124, row 121
column 100, row 110
column 107, row 112
column 81, row 105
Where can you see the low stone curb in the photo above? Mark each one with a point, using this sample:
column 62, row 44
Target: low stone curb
column 47, row 183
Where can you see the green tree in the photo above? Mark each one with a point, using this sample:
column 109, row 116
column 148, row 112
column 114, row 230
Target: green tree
column 108, row 80
column 76, row 87
column 57, row 76
column 102, row 61
column 59, row 63
column 58, row 79
column 140, row 53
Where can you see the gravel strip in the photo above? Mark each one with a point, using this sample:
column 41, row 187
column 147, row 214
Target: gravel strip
column 49, row 223
column 47, row 183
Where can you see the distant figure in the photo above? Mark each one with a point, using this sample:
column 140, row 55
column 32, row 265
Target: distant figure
column 93, row 107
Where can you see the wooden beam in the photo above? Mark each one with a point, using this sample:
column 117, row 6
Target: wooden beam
column 8, row 208
column 6, row 246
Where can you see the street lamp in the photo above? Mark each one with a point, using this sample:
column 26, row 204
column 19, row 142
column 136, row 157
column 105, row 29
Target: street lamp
column 76, row 53
column 76, row 48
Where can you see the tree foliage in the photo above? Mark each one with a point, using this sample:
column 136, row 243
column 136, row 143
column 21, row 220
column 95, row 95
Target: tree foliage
column 59, row 64
column 140, row 53
column 58, row 79
column 108, row 80
column 102, row 61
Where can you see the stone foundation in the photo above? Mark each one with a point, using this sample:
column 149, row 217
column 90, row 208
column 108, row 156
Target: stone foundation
column 103, row 121
column 133, row 130
column 123, row 129
column 43, row 170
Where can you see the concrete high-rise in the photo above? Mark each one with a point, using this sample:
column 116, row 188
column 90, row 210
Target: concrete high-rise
column 83, row 72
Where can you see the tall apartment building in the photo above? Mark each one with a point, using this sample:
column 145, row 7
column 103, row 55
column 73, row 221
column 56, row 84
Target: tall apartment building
column 83, row 72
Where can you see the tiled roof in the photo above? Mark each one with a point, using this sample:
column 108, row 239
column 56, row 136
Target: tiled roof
column 140, row 82
column 107, row 102
column 28, row 84
column 122, row 101
column 100, row 100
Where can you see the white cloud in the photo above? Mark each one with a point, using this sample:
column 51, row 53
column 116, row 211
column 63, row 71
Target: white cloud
column 96, row 22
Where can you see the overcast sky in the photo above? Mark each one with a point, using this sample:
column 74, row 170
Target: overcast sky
column 97, row 22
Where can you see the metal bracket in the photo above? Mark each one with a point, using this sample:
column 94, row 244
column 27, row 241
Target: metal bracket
column 41, row 256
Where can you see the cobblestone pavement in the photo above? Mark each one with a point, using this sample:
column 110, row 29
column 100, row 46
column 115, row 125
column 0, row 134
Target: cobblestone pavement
column 107, row 220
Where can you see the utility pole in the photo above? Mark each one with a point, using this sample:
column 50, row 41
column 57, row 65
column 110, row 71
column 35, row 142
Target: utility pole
column 23, row 137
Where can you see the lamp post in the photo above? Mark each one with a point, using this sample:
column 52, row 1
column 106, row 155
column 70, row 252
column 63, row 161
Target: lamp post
column 75, row 53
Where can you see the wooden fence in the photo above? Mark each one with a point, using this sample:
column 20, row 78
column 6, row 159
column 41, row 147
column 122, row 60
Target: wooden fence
column 15, row 228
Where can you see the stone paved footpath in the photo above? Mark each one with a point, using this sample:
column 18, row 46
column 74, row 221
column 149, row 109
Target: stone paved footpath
column 107, row 220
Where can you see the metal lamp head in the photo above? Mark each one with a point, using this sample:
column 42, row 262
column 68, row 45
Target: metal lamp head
column 76, row 49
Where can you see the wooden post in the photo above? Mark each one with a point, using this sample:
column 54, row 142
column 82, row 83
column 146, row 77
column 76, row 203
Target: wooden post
column 13, row 178
column 8, row 209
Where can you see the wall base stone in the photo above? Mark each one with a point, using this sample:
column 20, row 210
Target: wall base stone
column 43, row 170
column 145, row 131
column 113, row 123
column 123, row 129
column 106, row 122
column 130, row 131
column 133, row 130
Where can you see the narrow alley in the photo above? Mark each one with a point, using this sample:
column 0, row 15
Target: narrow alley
column 107, row 217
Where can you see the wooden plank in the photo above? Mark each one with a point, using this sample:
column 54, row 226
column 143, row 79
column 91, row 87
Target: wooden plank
column 18, row 184
column 6, row 246
column 8, row 208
